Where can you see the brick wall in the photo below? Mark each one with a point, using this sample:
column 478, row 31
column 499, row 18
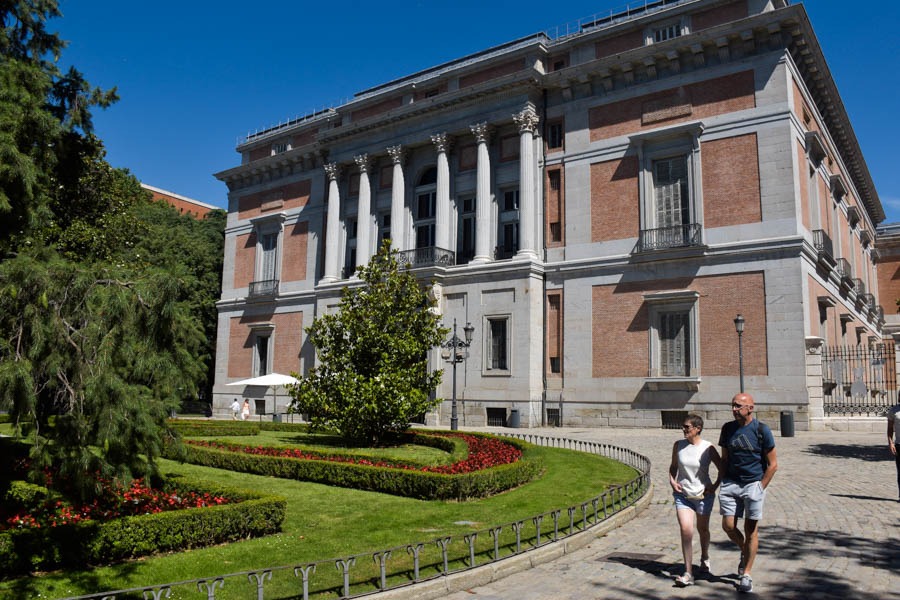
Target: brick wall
column 555, row 208
column 244, row 260
column 287, row 337
column 719, row 15
column 303, row 138
column 620, row 327
column 731, row 193
column 889, row 278
column 717, row 96
column 296, row 241
column 292, row 195
column 492, row 73
column 615, row 207
column 618, row 44
column 376, row 109
column 261, row 152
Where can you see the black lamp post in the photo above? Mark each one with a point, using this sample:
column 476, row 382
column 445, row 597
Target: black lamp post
column 454, row 351
column 739, row 327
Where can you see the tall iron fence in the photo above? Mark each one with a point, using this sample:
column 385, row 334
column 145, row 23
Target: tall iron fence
column 859, row 380
column 370, row 572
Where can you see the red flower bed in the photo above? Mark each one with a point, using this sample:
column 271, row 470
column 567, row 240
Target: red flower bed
column 483, row 453
column 116, row 500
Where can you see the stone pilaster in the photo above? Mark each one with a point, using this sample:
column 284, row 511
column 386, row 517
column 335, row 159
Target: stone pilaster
column 482, row 195
column 527, row 120
column 332, row 231
column 814, row 346
column 442, row 211
column 398, row 200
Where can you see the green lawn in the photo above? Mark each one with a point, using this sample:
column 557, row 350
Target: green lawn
column 326, row 522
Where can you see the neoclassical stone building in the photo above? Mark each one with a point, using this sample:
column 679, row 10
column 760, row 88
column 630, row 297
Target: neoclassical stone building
column 599, row 205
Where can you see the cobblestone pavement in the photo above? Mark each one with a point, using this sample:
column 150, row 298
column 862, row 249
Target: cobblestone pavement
column 830, row 530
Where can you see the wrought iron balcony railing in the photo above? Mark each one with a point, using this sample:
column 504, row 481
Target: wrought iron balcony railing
column 823, row 245
column 677, row 236
column 879, row 313
column 858, row 286
column 429, row 256
column 263, row 288
column 868, row 300
column 842, row 268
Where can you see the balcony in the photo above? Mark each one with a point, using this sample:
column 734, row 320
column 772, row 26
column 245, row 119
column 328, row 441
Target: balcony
column 842, row 269
column 868, row 301
column 263, row 289
column 858, row 286
column 429, row 256
column 824, row 246
column 663, row 238
column 879, row 314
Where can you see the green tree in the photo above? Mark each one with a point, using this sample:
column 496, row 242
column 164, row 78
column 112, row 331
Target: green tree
column 373, row 375
column 91, row 358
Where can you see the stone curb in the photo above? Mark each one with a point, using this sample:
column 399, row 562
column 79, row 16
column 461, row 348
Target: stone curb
column 489, row 573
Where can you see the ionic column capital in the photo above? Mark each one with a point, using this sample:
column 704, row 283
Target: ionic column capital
column 332, row 170
column 396, row 153
column 441, row 142
column 363, row 162
column 481, row 131
column 527, row 119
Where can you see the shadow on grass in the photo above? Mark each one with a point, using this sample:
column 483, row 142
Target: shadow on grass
column 856, row 451
column 84, row 580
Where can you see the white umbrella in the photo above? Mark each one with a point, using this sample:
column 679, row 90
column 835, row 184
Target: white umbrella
column 269, row 380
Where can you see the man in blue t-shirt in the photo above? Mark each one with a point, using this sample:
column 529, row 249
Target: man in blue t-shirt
column 749, row 463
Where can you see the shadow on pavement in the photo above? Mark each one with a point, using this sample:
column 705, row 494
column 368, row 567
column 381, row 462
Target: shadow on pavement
column 857, row 451
column 855, row 497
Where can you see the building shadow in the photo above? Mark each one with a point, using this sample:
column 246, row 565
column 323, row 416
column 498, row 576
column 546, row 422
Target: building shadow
column 856, row 451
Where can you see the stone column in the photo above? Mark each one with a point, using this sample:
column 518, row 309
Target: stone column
column 332, row 232
column 363, row 212
column 814, row 390
column 527, row 120
column 482, row 196
column 398, row 200
column 442, row 210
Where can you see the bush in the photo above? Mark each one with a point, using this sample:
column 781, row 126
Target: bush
column 188, row 428
column 396, row 481
column 90, row 542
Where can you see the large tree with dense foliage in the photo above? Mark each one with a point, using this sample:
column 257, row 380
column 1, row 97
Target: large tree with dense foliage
column 373, row 375
column 107, row 299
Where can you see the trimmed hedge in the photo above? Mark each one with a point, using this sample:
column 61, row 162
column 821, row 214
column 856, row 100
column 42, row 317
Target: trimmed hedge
column 93, row 543
column 399, row 482
column 189, row 428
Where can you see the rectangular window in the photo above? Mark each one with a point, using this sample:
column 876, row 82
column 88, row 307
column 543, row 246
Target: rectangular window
column 510, row 200
column 555, row 135
column 279, row 148
column 384, row 227
column 269, row 248
column 554, row 331
column 262, row 355
column 674, row 335
column 508, row 226
column 350, row 249
column 425, row 211
column 671, row 192
column 667, row 33
column 497, row 344
column 465, row 244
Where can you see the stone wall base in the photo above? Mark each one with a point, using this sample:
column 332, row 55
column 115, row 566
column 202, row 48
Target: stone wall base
column 863, row 424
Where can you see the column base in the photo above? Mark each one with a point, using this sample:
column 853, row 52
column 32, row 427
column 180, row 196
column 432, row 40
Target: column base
column 480, row 260
column 530, row 254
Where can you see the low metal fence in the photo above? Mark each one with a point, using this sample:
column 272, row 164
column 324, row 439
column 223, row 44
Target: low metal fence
column 370, row 572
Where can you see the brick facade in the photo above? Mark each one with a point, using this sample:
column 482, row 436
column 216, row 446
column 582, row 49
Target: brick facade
column 731, row 181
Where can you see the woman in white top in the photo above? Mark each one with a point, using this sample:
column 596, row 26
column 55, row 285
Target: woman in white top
column 694, row 492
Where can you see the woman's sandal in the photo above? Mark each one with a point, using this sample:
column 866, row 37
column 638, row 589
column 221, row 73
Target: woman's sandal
column 684, row 580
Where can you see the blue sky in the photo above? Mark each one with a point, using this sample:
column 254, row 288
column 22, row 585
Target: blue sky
column 195, row 76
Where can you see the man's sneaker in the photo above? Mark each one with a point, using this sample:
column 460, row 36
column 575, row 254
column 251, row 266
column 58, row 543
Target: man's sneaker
column 745, row 584
column 704, row 565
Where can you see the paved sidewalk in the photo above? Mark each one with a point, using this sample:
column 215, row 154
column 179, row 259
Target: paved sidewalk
column 830, row 530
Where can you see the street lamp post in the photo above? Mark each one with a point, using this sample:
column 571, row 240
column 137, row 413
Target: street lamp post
column 455, row 353
column 739, row 327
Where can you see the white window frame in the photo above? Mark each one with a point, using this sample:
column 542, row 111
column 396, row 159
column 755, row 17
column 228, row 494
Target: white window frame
column 262, row 331
column 488, row 369
column 264, row 227
column 685, row 302
column 668, row 143
column 658, row 33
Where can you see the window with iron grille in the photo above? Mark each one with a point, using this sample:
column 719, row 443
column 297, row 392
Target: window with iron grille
column 555, row 135
column 674, row 344
column 496, row 417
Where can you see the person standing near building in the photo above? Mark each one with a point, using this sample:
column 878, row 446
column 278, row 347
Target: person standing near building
column 694, row 492
column 235, row 409
column 749, row 462
column 245, row 411
column 893, row 434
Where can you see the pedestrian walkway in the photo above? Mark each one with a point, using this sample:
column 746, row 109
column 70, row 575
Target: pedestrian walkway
column 830, row 530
